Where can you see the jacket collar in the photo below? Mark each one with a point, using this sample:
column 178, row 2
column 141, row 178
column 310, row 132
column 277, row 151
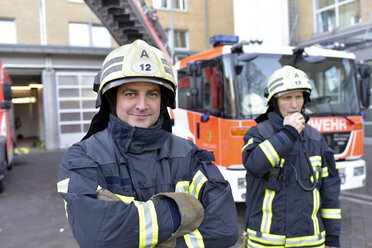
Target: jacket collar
column 135, row 139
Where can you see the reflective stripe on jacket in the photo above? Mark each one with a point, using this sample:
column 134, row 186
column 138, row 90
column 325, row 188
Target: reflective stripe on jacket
column 281, row 213
column 135, row 172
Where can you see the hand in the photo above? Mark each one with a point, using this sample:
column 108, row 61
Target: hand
column 106, row 195
column 295, row 120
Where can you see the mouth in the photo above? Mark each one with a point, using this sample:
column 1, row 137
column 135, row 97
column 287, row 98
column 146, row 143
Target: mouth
column 140, row 116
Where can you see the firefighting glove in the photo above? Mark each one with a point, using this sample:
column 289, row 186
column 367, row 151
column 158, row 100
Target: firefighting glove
column 106, row 195
column 191, row 210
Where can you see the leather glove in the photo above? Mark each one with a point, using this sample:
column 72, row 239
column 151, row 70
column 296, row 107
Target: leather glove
column 191, row 210
column 106, row 195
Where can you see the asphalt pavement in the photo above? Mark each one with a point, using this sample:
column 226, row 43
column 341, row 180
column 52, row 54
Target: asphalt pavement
column 32, row 213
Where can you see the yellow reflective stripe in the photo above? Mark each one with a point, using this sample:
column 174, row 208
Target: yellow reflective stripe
column 148, row 223
column 62, row 187
column 266, row 238
column 316, row 160
column 316, row 205
column 280, row 240
column 306, row 241
column 197, row 182
column 331, row 213
column 250, row 141
column 154, row 222
column 182, row 186
column 194, row 239
column 325, row 172
column 267, row 213
column 270, row 152
column 125, row 199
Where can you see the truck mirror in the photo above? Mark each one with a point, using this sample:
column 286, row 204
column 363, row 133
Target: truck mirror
column 364, row 71
column 365, row 84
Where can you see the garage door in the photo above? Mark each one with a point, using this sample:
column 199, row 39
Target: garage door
column 76, row 106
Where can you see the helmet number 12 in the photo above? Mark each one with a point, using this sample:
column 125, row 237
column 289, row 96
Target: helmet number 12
column 145, row 67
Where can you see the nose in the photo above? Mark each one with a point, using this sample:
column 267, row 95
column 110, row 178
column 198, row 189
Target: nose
column 294, row 103
column 141, row 103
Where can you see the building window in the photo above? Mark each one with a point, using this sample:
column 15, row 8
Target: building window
column 333, row 14
column 166, row 4
column 81, row 34
column 181, row 39
column 8, row 30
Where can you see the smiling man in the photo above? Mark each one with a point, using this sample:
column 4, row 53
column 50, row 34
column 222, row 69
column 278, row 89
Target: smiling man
column 292, row 181
column 130, row 182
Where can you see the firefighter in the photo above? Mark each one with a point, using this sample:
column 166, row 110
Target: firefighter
column 129, row 182
column 292, row 183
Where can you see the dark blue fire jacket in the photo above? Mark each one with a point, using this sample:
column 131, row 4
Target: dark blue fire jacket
column 280, row 212
column 136, row 164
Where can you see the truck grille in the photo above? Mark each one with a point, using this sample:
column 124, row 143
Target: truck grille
column 337, row 141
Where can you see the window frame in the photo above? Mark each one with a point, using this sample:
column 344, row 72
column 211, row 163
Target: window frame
column 90, row 35
column 174, row 9
column 168, row 31
column 336, row 6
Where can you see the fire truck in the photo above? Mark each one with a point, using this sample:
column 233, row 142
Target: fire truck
column 220, row 93
column 7, row 133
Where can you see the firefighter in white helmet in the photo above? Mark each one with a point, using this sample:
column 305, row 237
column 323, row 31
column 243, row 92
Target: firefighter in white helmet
column 292, row 181
column 130, row 182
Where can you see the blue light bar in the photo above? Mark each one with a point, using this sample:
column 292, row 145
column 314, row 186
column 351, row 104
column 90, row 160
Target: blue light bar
column 218, row 40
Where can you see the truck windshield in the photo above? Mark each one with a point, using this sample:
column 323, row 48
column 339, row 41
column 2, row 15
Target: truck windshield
column 334, row 89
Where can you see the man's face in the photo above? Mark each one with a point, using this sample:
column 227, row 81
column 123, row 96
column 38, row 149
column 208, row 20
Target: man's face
column 290, row 103
column 138, row 104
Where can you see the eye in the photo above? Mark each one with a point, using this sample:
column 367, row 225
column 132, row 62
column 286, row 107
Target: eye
column 129, row 94
column 153, row 94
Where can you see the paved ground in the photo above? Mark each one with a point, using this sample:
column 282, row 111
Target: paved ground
column 32, row 214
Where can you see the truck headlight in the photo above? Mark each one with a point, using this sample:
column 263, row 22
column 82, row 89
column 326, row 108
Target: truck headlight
column 358, row 171
column 241, row 183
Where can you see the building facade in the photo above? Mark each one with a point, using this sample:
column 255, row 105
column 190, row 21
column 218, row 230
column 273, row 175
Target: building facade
column 53, row 49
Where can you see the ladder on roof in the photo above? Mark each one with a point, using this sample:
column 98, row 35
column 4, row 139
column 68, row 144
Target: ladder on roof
column 128, row 20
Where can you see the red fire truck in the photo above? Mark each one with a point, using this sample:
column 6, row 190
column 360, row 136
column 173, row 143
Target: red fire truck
column 220, row 93
column 7, row 133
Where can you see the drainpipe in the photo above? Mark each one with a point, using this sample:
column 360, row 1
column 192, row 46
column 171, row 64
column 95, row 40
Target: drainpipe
column 43, row 33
